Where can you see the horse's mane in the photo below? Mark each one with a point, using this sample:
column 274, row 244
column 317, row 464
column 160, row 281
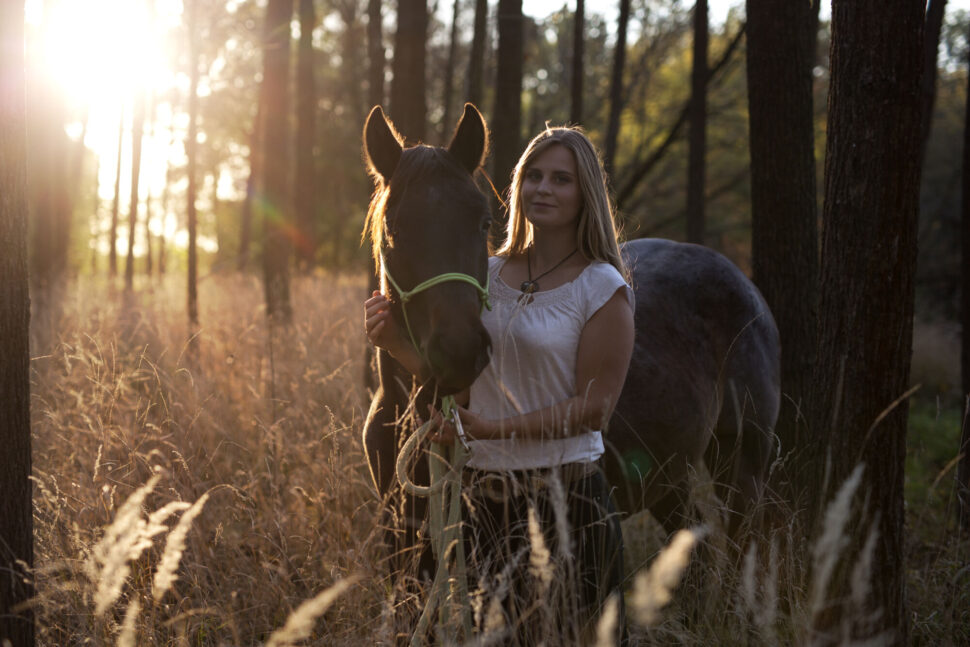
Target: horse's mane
column 416, row 164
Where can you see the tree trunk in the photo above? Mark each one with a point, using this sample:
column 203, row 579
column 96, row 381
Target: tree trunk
column 148, row 235
column 858, row 407
column 276, row 244
column 408, row 103
column 446, row 120
column 576, row 75
column 931, row 45
column 192, row 155
column 375, row 54
column 697, row 141
column 784, row 222
column 137, row 127
column 476, row 59
column 16, row 516
column 255, row 171
column 616, row 88
column 963, row 468
column 304, row 191
column 166, row 197
column 507, row 115
column 116, row 203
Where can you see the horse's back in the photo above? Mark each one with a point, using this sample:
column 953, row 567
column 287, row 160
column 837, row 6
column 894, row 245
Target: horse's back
column 705, row 341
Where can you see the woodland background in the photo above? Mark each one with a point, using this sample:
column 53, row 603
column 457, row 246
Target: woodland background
column 196, row 195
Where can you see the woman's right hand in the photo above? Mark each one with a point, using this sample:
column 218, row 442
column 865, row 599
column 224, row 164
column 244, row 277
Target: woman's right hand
column 379, row 326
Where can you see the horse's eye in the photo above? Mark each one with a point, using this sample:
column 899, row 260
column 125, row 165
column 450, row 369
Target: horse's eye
column 487, row 224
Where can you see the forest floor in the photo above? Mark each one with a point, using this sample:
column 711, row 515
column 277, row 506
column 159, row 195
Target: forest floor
column 199, row 487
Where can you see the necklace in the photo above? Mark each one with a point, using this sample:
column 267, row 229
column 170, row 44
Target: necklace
column 532, row 285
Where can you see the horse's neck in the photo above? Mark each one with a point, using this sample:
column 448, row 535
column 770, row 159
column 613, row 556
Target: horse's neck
column 399, row 386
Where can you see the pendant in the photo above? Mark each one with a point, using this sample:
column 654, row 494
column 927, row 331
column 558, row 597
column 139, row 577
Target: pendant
column 528, row 287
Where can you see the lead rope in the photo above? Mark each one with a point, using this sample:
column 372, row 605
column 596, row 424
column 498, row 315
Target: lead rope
column 449, row 589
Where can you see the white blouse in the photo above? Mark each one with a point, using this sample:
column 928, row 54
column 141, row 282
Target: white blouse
column 533, row 366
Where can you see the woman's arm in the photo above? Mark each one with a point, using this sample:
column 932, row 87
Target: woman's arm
column 603, row 357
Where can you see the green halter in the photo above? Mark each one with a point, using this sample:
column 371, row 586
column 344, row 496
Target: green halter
column 406, row 295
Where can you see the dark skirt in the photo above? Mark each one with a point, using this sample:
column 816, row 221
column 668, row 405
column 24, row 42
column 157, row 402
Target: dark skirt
column 544, row 579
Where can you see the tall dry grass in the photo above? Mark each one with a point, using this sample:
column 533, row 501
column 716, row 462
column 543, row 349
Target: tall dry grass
column 214, row 492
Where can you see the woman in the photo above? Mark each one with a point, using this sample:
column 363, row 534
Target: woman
column 561, row 326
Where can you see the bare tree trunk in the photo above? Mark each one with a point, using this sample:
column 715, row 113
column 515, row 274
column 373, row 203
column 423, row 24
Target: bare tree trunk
column 576, row 75
column 166, row 197
column 304, row 191
column 963, row 468
column 698, row 128
column 507, row 115
column 255, row 171
column 276, row 243
column 616, row 88
column 115, row 205
column 192, row 153
column 137, row 126
column 931, row 44
column 16, row 515
column 375, row 54
column 446, row 120
column 859, row 404
column 476, row 59
column 784, row 222
column 149, row 269
column 408, row 102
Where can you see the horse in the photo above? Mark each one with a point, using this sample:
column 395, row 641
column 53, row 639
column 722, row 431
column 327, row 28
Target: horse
column 703, row 381
column 427, row 220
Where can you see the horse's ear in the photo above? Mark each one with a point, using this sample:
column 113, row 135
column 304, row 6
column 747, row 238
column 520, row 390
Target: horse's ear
column 470, row 141
column 382, row 144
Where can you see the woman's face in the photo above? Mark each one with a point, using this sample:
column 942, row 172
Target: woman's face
column 551, row 197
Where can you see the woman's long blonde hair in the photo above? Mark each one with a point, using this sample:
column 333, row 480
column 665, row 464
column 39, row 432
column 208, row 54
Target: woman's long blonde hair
column 596, row 234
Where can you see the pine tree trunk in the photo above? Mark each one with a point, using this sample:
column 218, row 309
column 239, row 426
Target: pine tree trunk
column 276, row 244
column 931, row 44
column 116, row 203
column 137, row 128
column 255, row 171
column 616, row 88
column 304, row 191
column 375, row 54
column 449, row 90
column 858, row 406
column 697, row 140
column 507, row 115
column 408, row 102
column 576, row 75
column 476, row 59
column 192, row 153
column 16, row 517
column 963, row 468
column 784, row 229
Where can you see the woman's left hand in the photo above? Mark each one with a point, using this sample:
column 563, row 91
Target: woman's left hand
column 474, row 426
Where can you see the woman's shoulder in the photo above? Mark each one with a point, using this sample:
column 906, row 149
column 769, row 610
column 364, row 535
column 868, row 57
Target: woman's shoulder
column 600, row 281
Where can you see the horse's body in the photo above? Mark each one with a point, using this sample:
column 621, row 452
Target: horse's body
column 703, row 382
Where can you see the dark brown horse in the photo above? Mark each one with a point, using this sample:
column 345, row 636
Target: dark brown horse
column 427, row 219
column 703, row 384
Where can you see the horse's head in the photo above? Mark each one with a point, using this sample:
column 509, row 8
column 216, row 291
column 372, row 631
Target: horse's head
column 428, row 219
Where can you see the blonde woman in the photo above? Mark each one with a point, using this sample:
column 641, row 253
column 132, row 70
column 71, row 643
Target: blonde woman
column 561, row 326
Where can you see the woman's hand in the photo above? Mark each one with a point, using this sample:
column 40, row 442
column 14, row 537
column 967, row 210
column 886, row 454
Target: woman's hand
column 475, row 427
column 379, row 326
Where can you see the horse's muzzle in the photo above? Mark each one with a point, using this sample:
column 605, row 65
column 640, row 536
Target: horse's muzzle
column 457, row 354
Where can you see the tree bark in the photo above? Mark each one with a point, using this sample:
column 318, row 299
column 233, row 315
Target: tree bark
column 931, row 44
column 616, row 88
column 507, row 115
column 576, row 75
column 16, row 516
column 276, row 244
column 375, row 54
column 408, row 101
column 476, row 59
column 304, row 190
column 784, row 222
column 192, row 153
column 255, row 171
column 137, row 128
column 446, row 120
column 697, row 142
column 116, row 203
column 859, row 405
column 963, row 468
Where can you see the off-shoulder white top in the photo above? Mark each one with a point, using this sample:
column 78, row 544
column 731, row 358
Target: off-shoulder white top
column 534, row 346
